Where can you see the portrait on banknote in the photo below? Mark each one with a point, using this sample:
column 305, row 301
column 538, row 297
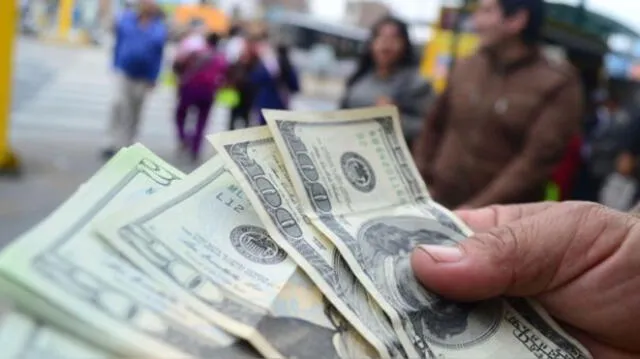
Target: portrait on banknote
column 386, row 246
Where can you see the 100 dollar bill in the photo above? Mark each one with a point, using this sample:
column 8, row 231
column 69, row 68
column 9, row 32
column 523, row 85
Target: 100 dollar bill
column 252, row 157
column 206, row 228
column 357, row 184
column 61, row 272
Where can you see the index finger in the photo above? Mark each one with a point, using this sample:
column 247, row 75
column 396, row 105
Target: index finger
column 497, row 215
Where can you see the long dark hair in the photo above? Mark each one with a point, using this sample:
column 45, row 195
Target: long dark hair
column 532, row 32
column 366, row 63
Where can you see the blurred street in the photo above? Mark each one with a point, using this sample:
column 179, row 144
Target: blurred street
column 63, row 87
column 61, row 104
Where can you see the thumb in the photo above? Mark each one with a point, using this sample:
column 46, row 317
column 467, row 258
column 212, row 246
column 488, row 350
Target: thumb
column 465, row 272
column 523, row 258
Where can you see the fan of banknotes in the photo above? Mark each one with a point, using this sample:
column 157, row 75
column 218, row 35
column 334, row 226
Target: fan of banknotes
column 293, row 241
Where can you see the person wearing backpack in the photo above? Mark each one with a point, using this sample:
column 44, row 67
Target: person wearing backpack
column 271, row 75
column 201, row 71
column 140, row 38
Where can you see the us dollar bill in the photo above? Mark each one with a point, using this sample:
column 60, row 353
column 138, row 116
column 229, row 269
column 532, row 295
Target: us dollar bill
column 202, row 234
column 357, row 184
column 22, row 337
column 62, row 273
column 252, row 157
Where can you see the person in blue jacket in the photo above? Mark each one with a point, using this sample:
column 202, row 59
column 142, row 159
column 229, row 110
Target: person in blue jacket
column 271, row 76
column 140, row 37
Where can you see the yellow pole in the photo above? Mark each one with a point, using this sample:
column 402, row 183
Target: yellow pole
column 65, row 18
column 8, row 23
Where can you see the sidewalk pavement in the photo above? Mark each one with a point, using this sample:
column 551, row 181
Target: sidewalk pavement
column 53, row 167
column 52, row 170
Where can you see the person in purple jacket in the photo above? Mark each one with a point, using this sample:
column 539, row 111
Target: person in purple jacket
column 201, row 71
column 140, row 37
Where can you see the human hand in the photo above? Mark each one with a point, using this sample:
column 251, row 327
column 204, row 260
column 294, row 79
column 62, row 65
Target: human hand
column 580, row 261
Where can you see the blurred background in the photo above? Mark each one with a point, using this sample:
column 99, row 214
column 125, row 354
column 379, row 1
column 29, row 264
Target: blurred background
column 57, row 79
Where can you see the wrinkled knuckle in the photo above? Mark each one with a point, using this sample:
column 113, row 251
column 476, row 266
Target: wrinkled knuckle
column 576, row 204
column 496, row 211
column 587, row 211
column 632, row 218
column 495, row 207
column 500, row 244
column 630, row 221
column 582, row 206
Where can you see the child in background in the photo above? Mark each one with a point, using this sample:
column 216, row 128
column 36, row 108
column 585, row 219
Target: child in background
column 620, row 188
column 200, row 70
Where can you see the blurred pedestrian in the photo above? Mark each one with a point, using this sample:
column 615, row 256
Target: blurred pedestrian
column 192, row 40
column 604, row 140
column 201, row 70
column 629, row 154
column 387, row 74
column 507, row 116
column 234, row 46
column 51, row 12
column 621, row 189
column 140, row 37
column 233, row 43
column 272, row 76
column 288, row 75
column 25, row 15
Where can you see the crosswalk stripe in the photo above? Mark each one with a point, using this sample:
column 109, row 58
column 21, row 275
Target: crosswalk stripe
column 81, row 101
column 77, row 99
column 35, row 121
column 81, row 98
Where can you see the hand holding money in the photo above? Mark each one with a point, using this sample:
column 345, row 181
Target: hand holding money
column 295, row 241
column 574, row 258
column 367, row 198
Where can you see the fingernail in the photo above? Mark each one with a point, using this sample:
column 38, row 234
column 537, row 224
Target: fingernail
column 442, row 254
